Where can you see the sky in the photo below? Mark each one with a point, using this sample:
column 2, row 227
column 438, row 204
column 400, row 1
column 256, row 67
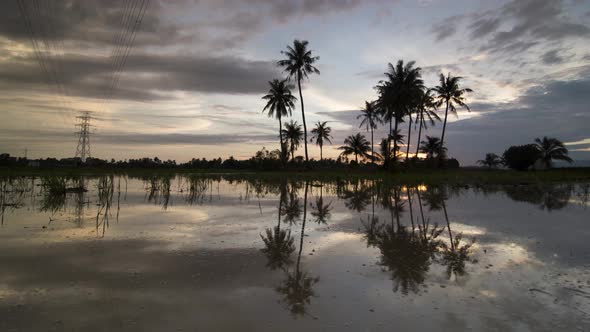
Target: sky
column 192, row 83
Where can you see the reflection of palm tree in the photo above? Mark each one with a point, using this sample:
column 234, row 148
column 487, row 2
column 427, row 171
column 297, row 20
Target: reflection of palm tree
column 456, row 254
column 358, row 198
column 321, row 211
column 297, row 289
column 278, row 243
column 547, row 196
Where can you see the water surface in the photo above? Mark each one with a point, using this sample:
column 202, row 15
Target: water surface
column 224, row 253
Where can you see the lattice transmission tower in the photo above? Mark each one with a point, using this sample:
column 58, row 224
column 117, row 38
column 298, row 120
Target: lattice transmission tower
column 83, row 149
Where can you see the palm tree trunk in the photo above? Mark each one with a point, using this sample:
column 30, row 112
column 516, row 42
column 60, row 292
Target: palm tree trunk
column 389, row 145
column 419, row 132
column 442, row 137
column 421, row 214
column 281, row 140
column 372, row 151
column 409, row 138
column 395, row 141
column 356, row 158
column 302, row 115
column 321, row 153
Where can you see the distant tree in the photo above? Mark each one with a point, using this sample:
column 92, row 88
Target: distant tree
column 432, row 147
column 550, row 149
column 280, row 103
column 321, row 133
column 491, row 160
column 356, row 145
column 293, row 134
column 370, row 119
column 450, row 94
column 299, row 64
column 521, row 157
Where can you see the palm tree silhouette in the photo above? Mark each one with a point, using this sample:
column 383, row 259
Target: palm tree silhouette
column 550, row 149
column 321, row 133
column 449, row 93
column 491, row 160
column 357, row 145
column 432, row 147
column 292, row 134
column 280, row 103
column 370, row 118
column 399, row 93
column 299, row 64
column 278, row 243
column 426, row 113
column 321, row 211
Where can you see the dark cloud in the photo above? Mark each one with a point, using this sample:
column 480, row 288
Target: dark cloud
column 555, row 109
column 531, row 21
column 145, row 75
column 446, row 28
column 483, row 26
column 552, row 57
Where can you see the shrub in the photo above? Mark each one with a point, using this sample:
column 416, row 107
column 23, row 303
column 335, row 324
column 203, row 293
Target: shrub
column 521, row 157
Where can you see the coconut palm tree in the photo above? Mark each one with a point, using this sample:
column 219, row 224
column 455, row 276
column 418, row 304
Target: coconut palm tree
column 385, row 152
column 398, row 94
column 449, row 93
column 280, row 103
column 370, row 118
column 293, row 134
column 321, row 133
column 432, row 147
column 551, row 148
column 491, row 160
column 426, row 114
column 299, row 64
column 357, row 145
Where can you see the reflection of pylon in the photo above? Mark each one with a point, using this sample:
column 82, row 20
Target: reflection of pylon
column 83, row 149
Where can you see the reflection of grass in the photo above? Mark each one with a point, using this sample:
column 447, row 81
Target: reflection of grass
column 459, row 176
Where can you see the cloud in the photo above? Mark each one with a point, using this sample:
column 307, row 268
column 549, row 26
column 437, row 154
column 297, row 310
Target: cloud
column 531, row 21
column 552, row 57
column 145, row 76
column 446, row 28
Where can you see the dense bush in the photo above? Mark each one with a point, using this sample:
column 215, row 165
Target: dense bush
column 521, row 157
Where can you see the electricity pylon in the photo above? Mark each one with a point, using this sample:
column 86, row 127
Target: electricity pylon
column 83, row 149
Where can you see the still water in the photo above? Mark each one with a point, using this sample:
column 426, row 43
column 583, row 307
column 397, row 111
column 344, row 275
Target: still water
column 224, row 253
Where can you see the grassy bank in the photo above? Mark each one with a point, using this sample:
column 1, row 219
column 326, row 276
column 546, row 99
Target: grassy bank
column 457, row 176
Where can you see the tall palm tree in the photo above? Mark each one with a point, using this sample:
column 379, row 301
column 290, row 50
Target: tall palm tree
column 292, row 133
column 385, row 146
column 321, row 133
column 551, row 148
column 426, row 114
column 399, row 92
column 432, row 147
column 370, row 118
column 299, row 64
column 280, row 102
column 357, row 145
column 491, row 160
column 449, row 93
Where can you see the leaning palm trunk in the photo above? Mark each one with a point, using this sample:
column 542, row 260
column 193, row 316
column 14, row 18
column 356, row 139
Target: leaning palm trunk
column 281, row 140
column 409, row 138
column 442, row 137
column 302, row 115
column 419, row 132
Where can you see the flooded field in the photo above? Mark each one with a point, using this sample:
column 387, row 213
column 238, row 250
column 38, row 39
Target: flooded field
column 224, row 253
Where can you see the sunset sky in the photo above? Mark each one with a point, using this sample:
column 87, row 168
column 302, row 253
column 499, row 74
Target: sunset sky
column 193, row 82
